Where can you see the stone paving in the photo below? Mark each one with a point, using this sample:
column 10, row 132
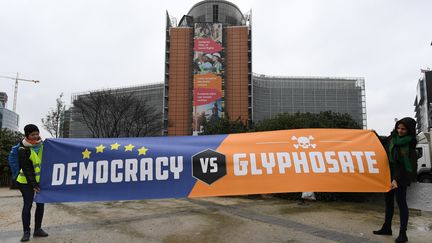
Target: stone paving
column 217, row 219
column 419, row 196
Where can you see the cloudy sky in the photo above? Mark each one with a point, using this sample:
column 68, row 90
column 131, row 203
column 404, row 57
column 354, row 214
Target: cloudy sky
column 79, row 45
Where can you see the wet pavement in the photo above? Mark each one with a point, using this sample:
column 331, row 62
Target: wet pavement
column 216, row 219
column 419, row 196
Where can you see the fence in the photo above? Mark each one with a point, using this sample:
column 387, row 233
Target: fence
column 5, row 179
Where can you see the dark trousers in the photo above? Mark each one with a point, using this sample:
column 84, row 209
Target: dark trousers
column 400, row 194
column 28, row 195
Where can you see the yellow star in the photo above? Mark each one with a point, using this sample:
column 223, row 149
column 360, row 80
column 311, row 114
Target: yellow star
column 100, row 149
column 129, row 147
column 86, row 154
column 115, row 146
column 142, row 150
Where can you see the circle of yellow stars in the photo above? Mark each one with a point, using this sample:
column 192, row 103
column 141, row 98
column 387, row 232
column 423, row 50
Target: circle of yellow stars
column 115, row 146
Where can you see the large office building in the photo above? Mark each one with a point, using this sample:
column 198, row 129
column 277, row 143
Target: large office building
column 208, row 75
column 423, row 101
column 8, row 118
column 208, row 67
column 273, row 95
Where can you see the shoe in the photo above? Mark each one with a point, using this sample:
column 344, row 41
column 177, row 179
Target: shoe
column 26, row 236
column 402, row 237
column 40, row 233
column 385, row 230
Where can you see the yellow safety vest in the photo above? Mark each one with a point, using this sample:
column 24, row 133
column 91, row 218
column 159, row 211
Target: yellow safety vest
column 36, row 158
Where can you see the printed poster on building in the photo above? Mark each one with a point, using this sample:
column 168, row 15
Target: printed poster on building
column 208, row 75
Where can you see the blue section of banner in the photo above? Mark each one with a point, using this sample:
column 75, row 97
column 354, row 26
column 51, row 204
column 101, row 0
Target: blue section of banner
column 65, row 157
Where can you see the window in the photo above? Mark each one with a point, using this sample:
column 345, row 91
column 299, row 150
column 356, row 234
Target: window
column 419, row 152
column 215, row 13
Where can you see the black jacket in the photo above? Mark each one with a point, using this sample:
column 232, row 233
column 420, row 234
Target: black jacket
column 27, row 165
column 400, row 174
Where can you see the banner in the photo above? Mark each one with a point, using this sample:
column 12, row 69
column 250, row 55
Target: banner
column 317, row 160
column 208, row 72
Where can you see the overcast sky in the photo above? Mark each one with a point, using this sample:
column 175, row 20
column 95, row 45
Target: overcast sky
column 80, row 45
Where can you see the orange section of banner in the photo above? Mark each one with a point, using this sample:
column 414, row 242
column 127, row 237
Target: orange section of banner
column 208, row 81
column 304, row 160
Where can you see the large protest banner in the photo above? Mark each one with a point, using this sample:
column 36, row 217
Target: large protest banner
column 319, row 160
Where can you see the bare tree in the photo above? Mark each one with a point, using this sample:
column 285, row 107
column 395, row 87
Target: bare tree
column 52, row 120
column 118, row 114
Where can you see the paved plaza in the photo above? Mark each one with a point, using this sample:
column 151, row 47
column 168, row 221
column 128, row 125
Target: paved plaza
column 217, row 219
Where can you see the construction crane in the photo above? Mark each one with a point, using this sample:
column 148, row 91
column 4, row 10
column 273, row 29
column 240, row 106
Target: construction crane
column 16, row 87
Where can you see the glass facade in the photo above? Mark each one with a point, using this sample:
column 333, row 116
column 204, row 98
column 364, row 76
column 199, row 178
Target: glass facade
column 217, row 12
column 153, row 93
column 422, row 105
column 3, row 99
column 270, row 97
column 275, row 95
column 8, row 119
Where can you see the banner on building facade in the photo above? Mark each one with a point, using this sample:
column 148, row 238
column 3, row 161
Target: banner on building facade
column 318, row 160
column 207, row 99
column 208, row 74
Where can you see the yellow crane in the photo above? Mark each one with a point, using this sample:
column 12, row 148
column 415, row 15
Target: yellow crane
column 16, row 86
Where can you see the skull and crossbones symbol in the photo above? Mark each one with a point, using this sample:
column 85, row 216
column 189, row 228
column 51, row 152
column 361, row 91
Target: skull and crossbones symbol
column 303, row 142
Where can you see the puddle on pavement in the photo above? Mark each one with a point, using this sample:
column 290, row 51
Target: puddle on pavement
column 331, row 206
column 424, row 228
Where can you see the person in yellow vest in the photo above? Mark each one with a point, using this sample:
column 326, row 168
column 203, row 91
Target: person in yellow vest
column 30, row 157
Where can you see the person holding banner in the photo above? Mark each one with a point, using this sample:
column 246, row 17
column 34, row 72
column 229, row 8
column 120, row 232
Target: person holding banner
column 400, row 145
column 29, row 158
